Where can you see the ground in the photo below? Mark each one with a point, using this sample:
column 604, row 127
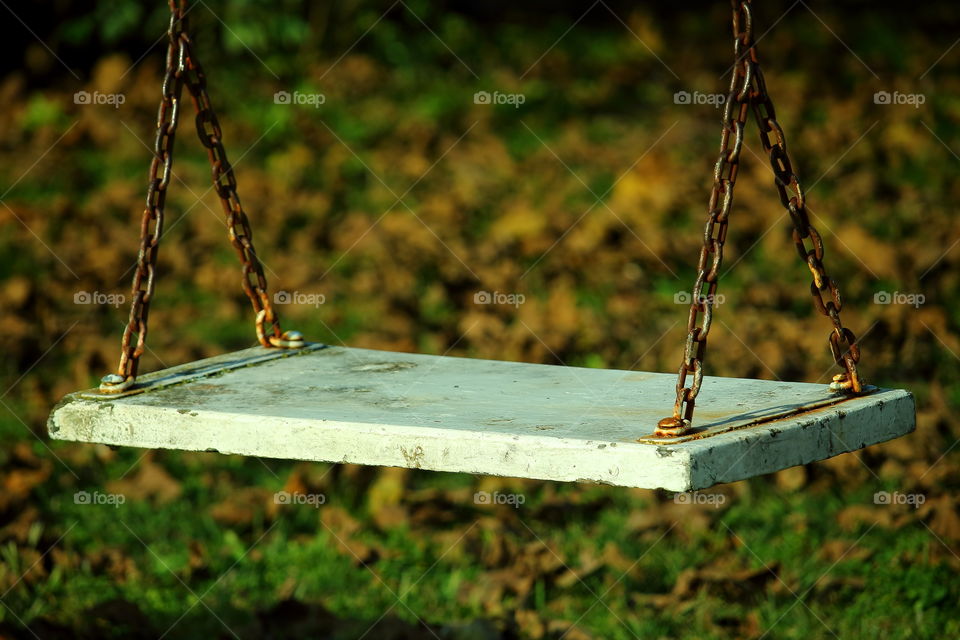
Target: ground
column 395, row 207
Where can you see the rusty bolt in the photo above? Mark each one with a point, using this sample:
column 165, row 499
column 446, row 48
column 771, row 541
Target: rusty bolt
column 289, row 340
column 843, row 383
column 671, row 427
column 115, row 383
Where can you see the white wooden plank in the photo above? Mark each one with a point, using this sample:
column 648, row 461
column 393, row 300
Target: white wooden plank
column 482, row 416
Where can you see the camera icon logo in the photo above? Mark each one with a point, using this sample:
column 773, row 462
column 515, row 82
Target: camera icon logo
column 682, row 297
column 281, row 497
column 281, row 297
column 81, row 497
column 482, row 297
column 882, row 97
column 881, row 497
column 82, row 297
column 482, row 97
column 81, row 97
column 682, row 97
column 481, row 497
column 281, row 97
column 882, row 297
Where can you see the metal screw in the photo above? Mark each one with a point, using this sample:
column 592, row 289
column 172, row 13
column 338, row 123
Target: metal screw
column 288, row 340
column 115, row 383
column 671, row 427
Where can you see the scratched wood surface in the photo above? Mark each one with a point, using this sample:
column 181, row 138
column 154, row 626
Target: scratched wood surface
column 383, row 408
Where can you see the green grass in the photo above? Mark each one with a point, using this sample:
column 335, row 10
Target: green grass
column 221, row 556
column 241, row 569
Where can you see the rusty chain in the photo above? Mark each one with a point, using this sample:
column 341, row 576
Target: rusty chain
column 748, row 92
column 225, row 184
column 842, row 341
column 183, row 69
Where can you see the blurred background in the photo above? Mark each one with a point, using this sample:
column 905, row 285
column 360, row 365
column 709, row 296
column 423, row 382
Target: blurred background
column 399, row 161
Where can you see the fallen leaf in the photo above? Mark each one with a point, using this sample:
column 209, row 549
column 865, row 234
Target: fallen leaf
column 530, row 624
column 567, row 630
column 854, row 516
column 836, row 550
column 946, row 521
column 151, row 481
column 19, row 529
column 242, row 506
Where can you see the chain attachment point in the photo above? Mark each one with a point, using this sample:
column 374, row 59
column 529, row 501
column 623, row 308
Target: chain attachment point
column 115, row 383
column 748, row 91
column 183, row 70
column 287, row 340
column 671, row 427
column 844, row 383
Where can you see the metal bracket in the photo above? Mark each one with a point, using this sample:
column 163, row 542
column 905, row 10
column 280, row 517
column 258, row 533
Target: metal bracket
column 717, row 429
column 202, row 369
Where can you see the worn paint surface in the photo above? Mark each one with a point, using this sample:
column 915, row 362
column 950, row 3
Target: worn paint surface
column 503, row 418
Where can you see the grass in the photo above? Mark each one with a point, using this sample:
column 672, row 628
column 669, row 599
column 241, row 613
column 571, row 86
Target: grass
column 220, row 572
column 199, row 543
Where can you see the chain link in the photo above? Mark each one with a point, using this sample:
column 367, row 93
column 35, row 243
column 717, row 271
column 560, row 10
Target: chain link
column 842, row 341
column 254, row 281
column 183, row 69
column 748, row 92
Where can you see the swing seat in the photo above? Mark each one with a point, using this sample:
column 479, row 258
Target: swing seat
column 361, row 406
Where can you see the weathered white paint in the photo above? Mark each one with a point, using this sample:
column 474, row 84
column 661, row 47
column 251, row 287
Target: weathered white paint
column 482, row 416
